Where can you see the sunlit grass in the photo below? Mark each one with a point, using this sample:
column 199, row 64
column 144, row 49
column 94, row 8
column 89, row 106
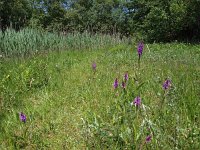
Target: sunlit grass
column 69, row 106
column 29, row 41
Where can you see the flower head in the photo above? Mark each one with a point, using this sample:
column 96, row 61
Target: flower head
column 148, row 138
column 22, row 117
column 137, row 101
column 166, row 84
column 140, row 49
column 123, row 85
column 115, row 83
column 94, row 66
column 126, row 77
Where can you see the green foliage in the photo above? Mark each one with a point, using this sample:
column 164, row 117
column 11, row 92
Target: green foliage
column 169, row 20
column 118, row 125
column 21, row 79
column 68, row 106
column 14, row 13
column 31, row 41
column 150, row 20
column 156, row 25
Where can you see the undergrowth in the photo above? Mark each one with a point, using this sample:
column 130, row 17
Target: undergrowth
column 70, row 104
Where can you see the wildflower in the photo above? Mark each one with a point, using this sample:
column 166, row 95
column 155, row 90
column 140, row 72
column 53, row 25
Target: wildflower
column 166, row 84
column 148, row 138
column 94, row 65
column 116, row 83
column 140, row 49
column 137, row 101
column 126, row 77
column 22, row 117
column 123, row 85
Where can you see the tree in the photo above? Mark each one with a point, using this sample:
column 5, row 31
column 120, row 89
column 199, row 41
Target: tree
column 152, row 20
column 14, row 13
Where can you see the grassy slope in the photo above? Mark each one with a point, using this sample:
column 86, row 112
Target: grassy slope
column 55, row 111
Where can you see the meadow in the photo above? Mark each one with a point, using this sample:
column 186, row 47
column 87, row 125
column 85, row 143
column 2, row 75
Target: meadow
column 84, row 91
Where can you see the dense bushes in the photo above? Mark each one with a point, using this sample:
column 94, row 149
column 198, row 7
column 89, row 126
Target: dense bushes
column 155, row 20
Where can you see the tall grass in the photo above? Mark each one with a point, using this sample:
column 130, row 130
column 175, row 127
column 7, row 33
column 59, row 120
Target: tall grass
column 170, row 117
column 30, row 41
column 70, row 106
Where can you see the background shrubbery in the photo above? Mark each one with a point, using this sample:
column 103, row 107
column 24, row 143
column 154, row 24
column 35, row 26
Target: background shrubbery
column 151, row 20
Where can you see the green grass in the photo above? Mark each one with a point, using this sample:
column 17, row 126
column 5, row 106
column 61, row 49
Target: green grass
column 68, row 106
column 29, row 41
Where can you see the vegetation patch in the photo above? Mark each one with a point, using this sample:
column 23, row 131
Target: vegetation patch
column 122, row 97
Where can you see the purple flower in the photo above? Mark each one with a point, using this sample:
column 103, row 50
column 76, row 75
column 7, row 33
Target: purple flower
column 140, row 49
column 126, row 77
column 148, row 138
column 123, row 85
column 22, row 117
column 94, row 65
column 137, row 101
column 166, row 84
column 116, row 83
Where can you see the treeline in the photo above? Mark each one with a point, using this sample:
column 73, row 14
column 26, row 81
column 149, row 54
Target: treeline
column 151, row 20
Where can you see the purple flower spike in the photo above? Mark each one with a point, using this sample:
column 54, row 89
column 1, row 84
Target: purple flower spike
column 94, row 66
column 166, row 84
column 148, row 138
column 140, row 49
column 116, row 83
column 22, row 117
column 123, row 85
column 126, row 77
column 137, row 101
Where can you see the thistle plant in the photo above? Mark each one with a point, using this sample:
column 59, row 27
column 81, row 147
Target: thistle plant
column 22, row 117
column 148, row 138
column 137, row 101
column 166, row 84
column 126, row 77
column 116, row 83
column 94, row 66
column 140, row 50
column 123, row 85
